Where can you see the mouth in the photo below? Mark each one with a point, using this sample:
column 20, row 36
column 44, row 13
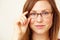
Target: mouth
column 39, row 26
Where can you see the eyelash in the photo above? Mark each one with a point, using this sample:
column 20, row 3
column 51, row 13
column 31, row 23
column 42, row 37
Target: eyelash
column 32, row 14
column 45, row 12
column 35, row 13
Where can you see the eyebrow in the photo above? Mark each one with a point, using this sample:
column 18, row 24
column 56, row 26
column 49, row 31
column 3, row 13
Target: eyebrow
column 33, row 11
column 42, row 10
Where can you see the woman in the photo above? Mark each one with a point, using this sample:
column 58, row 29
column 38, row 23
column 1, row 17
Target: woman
column 39, row 21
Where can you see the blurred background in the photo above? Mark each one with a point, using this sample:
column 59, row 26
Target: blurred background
column 9, row 12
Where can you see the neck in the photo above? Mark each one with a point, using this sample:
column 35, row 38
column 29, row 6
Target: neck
column 44, row 36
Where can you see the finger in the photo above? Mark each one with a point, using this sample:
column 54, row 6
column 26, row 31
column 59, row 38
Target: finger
column 28, row 20
column 20, row 22
column 23, row 20
column 24, row 17
column 25, row 13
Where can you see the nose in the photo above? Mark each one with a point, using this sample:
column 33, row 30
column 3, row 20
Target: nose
column 39, row 18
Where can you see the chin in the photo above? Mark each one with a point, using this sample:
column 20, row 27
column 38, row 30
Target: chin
column 40, row 31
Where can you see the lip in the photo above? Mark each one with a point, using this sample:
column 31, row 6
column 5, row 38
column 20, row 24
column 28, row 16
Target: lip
column 40, row 26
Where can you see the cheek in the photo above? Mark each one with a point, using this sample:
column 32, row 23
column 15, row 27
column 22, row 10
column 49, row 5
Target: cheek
column 48, row 21
column 32, row 21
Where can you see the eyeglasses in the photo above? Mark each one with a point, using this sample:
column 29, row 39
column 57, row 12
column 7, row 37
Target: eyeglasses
column 43, row 14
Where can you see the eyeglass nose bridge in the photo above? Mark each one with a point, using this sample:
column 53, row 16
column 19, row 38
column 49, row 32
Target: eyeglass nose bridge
column 39, row 14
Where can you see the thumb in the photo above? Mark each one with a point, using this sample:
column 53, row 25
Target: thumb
column 28, row 20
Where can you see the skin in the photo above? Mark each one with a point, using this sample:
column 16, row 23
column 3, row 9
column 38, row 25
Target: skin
column 41, row 33
column 22, row 23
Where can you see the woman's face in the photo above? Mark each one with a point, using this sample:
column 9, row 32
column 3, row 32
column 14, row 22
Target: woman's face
column 41, row 17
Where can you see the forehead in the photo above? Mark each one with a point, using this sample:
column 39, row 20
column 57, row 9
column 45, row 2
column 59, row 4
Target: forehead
column 42, row 5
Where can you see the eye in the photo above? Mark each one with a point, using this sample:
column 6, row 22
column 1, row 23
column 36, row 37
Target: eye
column 32, row 13
column 45, row 13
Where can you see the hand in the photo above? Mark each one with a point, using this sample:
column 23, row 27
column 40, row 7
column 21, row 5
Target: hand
column 23, row 23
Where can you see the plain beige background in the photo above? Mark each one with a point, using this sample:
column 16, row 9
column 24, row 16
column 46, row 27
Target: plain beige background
column 10, row 10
